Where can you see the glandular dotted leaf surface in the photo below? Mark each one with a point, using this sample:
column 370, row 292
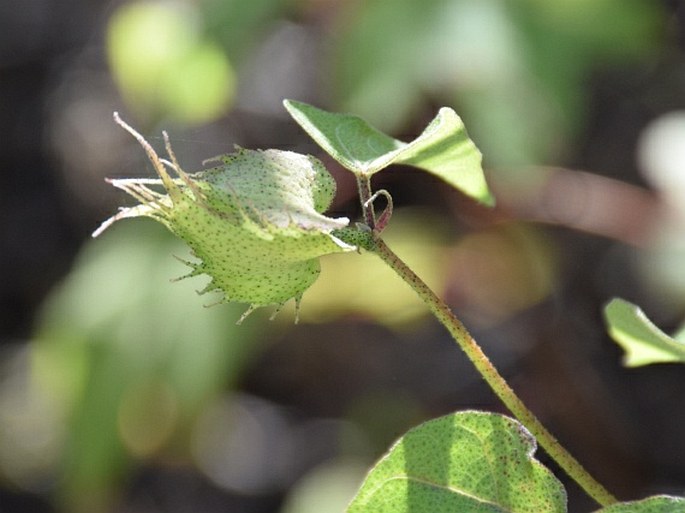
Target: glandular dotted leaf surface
column 467, row 462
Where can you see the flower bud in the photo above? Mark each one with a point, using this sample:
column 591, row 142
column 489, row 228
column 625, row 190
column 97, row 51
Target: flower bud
column 254, row 221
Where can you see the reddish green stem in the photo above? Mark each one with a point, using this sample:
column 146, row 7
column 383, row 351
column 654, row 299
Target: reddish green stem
column 364, row 186
column 492, row 376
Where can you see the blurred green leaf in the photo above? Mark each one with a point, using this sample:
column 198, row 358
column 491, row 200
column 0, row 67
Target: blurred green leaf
column 164, row 66
column 443, row 149
column 642, row 341
column 468, row 461
column 656, row 504
column 517, row 70
column 239, row 25
column 380, row 59
column 130, row 357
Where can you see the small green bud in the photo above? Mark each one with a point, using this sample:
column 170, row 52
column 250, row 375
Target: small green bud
column 254, row 221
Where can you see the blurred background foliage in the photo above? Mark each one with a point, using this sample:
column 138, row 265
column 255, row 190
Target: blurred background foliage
column 119, row 392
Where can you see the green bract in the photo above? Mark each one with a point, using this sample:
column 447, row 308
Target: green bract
column 254, row 221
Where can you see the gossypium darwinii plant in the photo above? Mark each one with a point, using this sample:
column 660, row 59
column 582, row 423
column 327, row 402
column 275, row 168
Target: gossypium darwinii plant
column 254, row 222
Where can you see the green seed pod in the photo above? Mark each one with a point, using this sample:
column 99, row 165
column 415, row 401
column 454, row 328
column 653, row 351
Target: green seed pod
column 254, row 221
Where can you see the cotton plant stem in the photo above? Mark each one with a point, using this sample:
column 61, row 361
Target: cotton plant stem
column 364, row 186
column 492, row 376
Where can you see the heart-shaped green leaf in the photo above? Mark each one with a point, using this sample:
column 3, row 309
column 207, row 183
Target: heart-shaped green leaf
column 642, row 341
column 443, row 149
column 656, row 504
column 468, row 461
